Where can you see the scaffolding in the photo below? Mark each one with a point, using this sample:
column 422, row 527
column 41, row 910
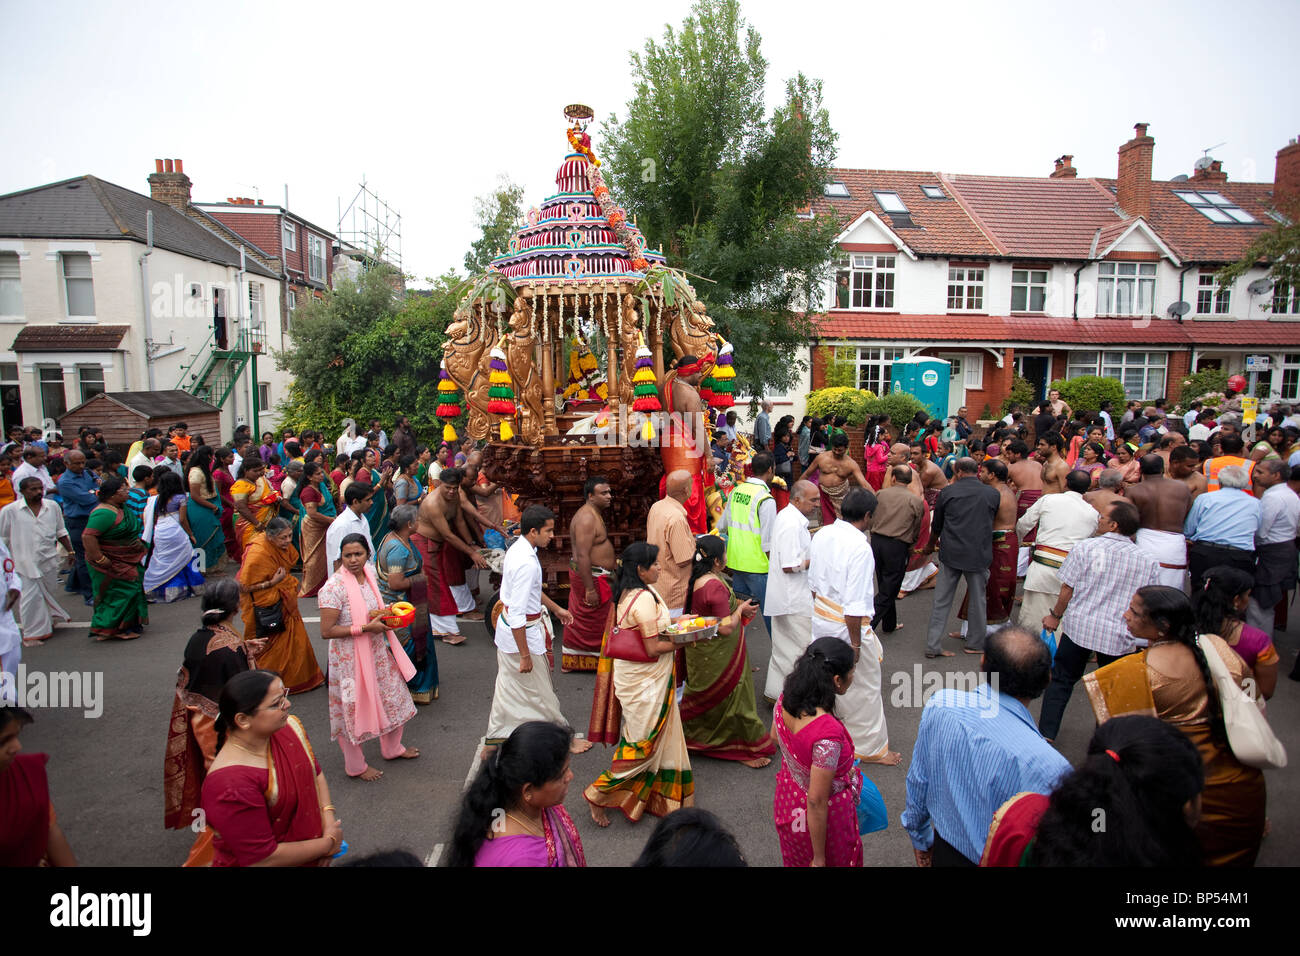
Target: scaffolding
column 370, row 230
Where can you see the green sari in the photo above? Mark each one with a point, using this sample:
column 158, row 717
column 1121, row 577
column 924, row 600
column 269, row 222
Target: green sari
column 121, row 609
column 206, row 526
column 377, row 516
column 719, row 712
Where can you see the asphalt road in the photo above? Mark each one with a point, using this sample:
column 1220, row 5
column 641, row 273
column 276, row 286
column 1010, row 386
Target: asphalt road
column 106, row 771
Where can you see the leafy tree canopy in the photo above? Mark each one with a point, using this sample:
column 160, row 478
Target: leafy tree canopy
column 497, row 216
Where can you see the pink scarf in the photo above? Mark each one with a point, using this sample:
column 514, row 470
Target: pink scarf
column 369, row 710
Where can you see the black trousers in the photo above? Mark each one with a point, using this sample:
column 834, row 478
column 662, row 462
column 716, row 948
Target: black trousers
column 943, row 853
column 79, row 577
column 891, row 555
column 1201, row 556
column 1071, row 661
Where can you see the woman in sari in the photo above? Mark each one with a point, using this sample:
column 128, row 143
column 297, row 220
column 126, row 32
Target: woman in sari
column 168, row 575
column 221, row 477
column 526, row 778
column 319, row 511
column 819, row 784
column 719, row 713
column 1092, row 459
column 30, row 834
column 1272, row 445
column 406, row 486
column 1146, row 779
column 1126, row 464
column 265, row 796
column 215, row 653
column 268, row 586
column 255, row 501
column 369, row 473
column 398, row 564
column 1171, row 680
column 368, row 668
column 204, row 511
column 113, row 554
column 635, row 703
column 1220, row 607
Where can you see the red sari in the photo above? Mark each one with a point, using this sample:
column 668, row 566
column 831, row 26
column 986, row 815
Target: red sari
column 252, row 810
column 221, row 478
column 812, row 746
column 25, row 810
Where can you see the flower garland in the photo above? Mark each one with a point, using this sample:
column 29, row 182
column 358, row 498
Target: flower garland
column 450, row 403
column 501, row 393
column 644, row 388
column 723, row 380
column 617, row 220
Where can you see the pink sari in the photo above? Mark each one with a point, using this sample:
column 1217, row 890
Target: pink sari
column 790, row 805
column 559, row 845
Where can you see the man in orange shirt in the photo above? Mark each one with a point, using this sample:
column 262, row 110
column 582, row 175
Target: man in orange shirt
column 1231, row 446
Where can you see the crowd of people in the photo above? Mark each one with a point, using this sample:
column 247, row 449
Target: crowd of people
column 1158, row 545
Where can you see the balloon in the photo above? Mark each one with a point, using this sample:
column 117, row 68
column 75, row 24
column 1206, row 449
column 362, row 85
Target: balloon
column 1237, row 383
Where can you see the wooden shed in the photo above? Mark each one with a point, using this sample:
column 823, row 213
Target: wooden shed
column 125, row 416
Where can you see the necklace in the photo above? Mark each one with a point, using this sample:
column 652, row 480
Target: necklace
column 531, row 826
column 235, row 743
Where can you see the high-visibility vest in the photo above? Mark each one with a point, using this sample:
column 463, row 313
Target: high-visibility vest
column 744, row 538
column 1215, row 465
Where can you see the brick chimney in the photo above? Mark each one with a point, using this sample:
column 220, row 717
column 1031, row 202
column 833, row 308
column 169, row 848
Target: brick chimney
column 168, row 183
column 1133, row 189
column 1065, row 168
column 1210, row 173
column 1286, row 179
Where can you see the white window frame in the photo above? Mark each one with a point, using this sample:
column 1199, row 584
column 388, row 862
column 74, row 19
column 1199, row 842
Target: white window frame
column 291, row 300
column 254, row 305
column 1284, row 296
column 1290, row 370
column 64, row 259
column 872, row 365
column 11, row 284
column 871, row 281
column 1117, row 364
column 1126, row 278
column 263, row 396
column 40, row 389
column 1211, row 298
column 289, row 235
column 891, row 202
column 314, row 243
column 966, row 288
column 82, row 381
column 972, row 370
column 1029, row 283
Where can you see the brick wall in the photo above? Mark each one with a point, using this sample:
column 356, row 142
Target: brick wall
column 818, row 368
column 1133, row 187
column 1180, row 366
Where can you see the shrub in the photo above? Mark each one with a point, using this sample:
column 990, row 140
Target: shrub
column 1198, row 383
column 901, row 407
column 1087, row 392
column 841, row 371
column 1022, row 394
column 826, row 403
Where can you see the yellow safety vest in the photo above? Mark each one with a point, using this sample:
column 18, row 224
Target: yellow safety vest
column 744, row 538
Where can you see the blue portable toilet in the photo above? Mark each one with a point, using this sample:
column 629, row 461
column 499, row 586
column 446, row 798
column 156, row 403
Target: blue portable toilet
column 925, row 378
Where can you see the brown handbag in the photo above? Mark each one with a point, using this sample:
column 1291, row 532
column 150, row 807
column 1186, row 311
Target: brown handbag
column 626, row 643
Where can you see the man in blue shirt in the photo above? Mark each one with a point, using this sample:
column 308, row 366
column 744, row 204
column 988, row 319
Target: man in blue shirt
column 79, row 489
column 1221, row 526
column 975, row 750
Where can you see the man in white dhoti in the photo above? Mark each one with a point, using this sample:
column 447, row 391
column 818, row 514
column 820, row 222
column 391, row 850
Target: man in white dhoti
column 1062, row 520
column 523, row 690
column 1162, row 504
column 842, row 574
column 11, row 641
column 789, row 599
column 32, row 529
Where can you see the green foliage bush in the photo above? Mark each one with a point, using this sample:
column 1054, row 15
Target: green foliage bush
column 1087, row 392
column 1201, row 383
column 1022, row 394
column 825, row 403
column 901, row 407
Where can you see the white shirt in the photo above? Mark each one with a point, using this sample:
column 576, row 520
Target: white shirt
column 10, row 635
column 1110, row 425
column 1279, row 515
column 348, row 522
column 1063, row 521
column 791, row 544
column 354, row 444
column 843, row 570
column 1198, row 432
column 234, row 465
column 33, row 539
column 26, row 470
column 138, row 459
column 521, row 595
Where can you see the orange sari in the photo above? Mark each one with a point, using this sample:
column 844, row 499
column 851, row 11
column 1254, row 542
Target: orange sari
column 256, row 497
column 288, row 653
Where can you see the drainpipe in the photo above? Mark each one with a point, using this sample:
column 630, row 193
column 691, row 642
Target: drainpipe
column 248, row 343
column 148, row 307
column 1180, row 290
column 1082, row 266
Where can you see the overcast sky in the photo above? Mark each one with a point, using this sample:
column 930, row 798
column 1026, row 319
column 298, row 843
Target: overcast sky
column 432, row 104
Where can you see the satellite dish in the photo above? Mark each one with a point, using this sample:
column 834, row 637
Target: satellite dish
column 1178, row 309
column 1180, row 178
column 1205, row 162
column 1260, row 286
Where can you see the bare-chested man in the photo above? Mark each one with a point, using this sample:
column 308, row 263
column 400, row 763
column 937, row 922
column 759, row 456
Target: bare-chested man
column 444, row 541
column 687, row 445
column 921, row 571
column 1000, row 595
column 933, row 480
column 589, row 585
column 1026, row 477
column 1166, row 445
column 480, row 502
column 1056, row 404
column 1185, row 466
column 1049, row 450
column 1162, row 504
column 900, row 453
column 838, row 473
column 1110, row 489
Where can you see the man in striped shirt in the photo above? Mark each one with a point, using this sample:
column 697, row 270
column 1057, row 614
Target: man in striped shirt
column 1098, row 579
column 975, row 750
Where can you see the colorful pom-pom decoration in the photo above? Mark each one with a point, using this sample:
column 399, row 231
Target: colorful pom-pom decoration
column 501, row 394
column 724, row 376
column 644, row 389
column 451, row 404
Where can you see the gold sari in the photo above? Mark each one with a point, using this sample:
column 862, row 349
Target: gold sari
column 253, row 496
column 288, row 653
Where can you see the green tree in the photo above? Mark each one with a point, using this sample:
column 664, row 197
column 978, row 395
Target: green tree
column 365, row 351
column 720, row 184
column 1279, row 247
column 497, row 215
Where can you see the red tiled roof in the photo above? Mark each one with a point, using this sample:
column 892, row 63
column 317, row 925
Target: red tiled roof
column 1195, row 238
column 1048, row 329
column 70, row 338
column 944, row 227
column 1050, row 218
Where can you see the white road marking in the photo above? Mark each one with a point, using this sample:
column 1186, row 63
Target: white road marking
column 434, row 855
